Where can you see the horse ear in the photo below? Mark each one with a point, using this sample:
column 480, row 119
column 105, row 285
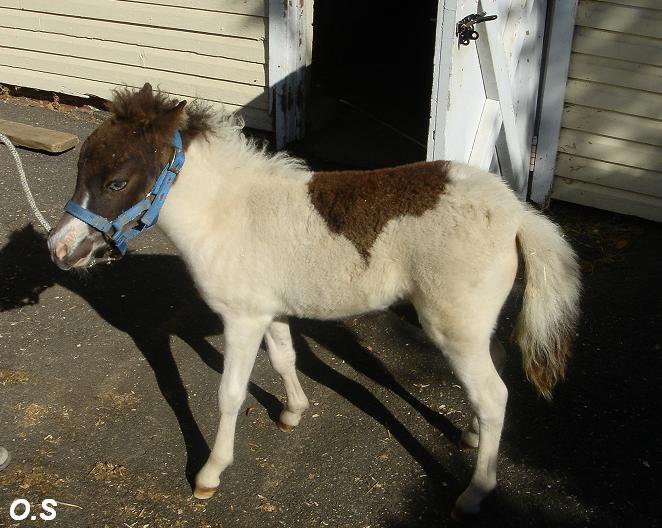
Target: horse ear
column 170, row 119
column 146, row 89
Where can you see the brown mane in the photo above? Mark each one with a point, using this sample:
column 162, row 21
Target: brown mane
column 145, row 105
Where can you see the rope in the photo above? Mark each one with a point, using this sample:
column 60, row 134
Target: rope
column 24, row 183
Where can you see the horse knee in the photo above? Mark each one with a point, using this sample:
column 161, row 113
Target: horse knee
column 230, row 399
column 489, row 400
column 283, row 361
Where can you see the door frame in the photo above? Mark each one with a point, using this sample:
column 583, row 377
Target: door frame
column 441, row 78
column 287, row 58
column 555, row 77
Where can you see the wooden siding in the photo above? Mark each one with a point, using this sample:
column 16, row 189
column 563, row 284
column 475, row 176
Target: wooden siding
column 212, row 50
column 610, row 147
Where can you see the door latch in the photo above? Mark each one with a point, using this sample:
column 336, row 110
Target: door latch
column 465, row 32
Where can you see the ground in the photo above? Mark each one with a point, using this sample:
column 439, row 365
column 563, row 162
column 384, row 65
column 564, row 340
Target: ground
column 108, row 386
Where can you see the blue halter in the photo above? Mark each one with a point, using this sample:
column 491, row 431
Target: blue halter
column 146, row 211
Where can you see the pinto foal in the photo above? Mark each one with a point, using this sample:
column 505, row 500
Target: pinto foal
column 264, row 239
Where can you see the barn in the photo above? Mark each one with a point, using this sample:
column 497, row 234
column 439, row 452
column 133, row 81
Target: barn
column 290, row 68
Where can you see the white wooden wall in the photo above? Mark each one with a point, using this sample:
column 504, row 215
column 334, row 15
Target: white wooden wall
column 610, row 147
column 207, row 49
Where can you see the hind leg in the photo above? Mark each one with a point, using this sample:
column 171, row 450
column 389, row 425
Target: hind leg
column 469, row 355
column 461, row 323
column 282, row 358
column 470, row 436
column 488, row 395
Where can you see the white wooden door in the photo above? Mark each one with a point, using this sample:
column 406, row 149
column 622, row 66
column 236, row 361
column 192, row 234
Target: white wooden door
column 484, row 95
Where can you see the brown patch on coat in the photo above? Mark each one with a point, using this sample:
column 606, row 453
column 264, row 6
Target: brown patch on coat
column 358, row 204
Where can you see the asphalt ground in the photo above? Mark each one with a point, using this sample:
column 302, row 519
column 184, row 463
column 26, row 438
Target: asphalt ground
column 108, row 383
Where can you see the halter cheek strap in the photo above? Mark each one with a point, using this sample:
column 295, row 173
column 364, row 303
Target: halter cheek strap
column 146, row 211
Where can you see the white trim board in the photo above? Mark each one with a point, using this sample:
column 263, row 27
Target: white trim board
column 553, row 88
column 288, row 53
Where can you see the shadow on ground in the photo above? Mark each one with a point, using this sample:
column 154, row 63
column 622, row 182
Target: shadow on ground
column 597, row 443
column 600, row 436
column 143, row 315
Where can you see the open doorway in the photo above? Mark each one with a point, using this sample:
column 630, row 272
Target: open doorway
column 371, row 81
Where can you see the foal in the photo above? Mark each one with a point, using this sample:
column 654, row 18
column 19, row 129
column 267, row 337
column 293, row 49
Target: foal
column 264, row 239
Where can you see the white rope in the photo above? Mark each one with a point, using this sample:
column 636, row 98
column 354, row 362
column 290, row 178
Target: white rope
column 24, row 182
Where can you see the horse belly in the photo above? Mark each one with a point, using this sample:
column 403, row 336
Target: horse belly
column 334, row 287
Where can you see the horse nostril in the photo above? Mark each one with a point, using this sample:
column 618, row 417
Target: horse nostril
column 61, row 251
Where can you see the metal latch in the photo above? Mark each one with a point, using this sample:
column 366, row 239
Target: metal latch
column 465, row 31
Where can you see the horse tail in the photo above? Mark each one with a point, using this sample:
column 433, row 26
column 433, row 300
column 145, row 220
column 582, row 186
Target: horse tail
column 546, row 324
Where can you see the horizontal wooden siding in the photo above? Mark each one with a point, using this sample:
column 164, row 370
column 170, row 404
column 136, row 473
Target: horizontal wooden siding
column 610, row 149
column 212, row 50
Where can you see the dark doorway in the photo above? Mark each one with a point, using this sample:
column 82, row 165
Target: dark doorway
column 371, row 81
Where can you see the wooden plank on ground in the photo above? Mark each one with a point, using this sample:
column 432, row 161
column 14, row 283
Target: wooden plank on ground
column 37, row 138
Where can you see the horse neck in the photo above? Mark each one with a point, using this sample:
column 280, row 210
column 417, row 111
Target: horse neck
column 216, row 179
column 204, row 188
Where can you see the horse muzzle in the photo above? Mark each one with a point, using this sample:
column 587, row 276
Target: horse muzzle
column 72, row 243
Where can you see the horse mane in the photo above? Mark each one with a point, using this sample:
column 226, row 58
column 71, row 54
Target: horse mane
column 143, row 106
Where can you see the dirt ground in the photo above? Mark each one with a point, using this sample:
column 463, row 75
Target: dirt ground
column 108, row 386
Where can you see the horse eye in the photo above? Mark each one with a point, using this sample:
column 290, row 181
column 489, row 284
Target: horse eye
column 116, row 185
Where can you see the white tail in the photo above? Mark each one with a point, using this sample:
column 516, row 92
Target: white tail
column 546, row 324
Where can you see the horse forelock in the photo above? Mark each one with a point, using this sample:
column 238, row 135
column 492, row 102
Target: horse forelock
column 145, row 106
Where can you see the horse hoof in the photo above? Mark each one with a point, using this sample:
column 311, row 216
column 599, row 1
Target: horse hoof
column 203, row 493
column 285, row 428
column 461, row 517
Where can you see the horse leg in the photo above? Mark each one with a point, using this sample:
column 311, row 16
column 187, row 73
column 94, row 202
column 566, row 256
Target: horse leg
column 470, row 438
column 488, row 395
column 282, row 358
column 242, row 341
column 468, row 352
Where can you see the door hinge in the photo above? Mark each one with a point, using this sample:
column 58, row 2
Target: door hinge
column 534, row 153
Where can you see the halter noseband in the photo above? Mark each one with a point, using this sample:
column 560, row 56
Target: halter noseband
column 146, row 211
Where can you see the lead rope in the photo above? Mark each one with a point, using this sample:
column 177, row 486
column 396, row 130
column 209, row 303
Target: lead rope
column 24, row 183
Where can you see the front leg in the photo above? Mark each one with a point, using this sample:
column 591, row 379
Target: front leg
column 243, row 335
column 282, row 357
